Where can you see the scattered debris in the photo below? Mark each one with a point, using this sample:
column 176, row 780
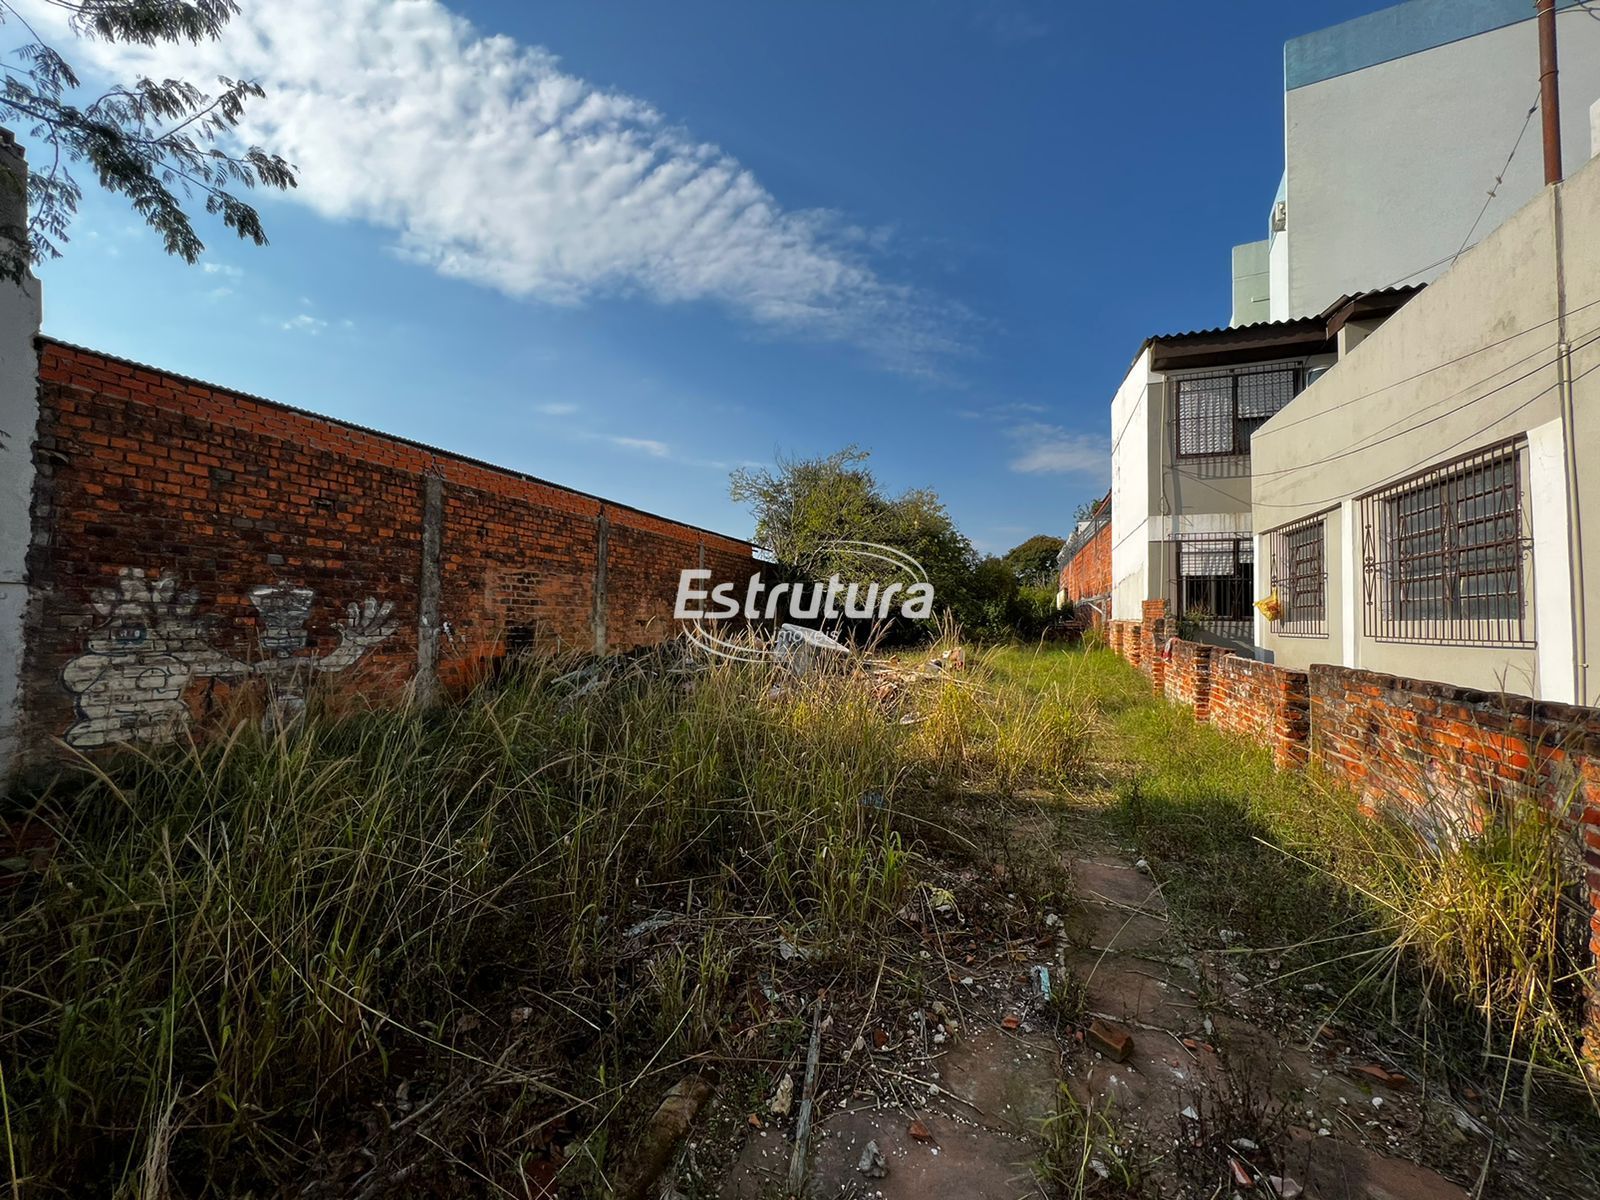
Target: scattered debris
column 873, row 1165
column 655, row 921
column 1110, row 1039
column 1011, row 1021
column 666, row 1129
column 1242, row 1177
column 783, row 1099
column 802, row 1129
column 802, row 649
column 919, row 1132
column 1384, row 1076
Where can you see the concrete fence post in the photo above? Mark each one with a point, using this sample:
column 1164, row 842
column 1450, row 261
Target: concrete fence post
column 602, row 540
column 19, row 426
column 428, row 591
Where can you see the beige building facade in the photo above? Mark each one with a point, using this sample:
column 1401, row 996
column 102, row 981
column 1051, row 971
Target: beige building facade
column 1431, row 507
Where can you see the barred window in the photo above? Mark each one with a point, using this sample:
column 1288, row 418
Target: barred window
column 1300, row 579
column 1218, row 413
column 1215, row 578
column 1444, row 554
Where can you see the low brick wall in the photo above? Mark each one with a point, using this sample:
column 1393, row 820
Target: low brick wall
column 1188, row 676
column 1263, row 702
column 1154, row 631
column 1430, row 745
column 1447, row 751
column 1443, row 753
column 1123, row 637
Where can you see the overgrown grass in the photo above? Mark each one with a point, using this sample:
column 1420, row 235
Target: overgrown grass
column 1465, row 922
column 393, row 950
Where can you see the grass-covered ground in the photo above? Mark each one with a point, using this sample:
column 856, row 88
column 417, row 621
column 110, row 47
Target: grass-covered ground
column 395, row 952
column 1470, row 941
column 403, row 954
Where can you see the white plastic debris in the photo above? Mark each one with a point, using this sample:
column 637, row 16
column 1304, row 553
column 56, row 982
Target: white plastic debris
column 783, row 1098
column 872, row 1164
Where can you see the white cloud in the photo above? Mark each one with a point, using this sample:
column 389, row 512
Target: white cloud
column 648, row 446
column 556, row 410
column 1052, row 450
column 493, row 164
column 224, row 269
column 1011, row 408
column 304, row 323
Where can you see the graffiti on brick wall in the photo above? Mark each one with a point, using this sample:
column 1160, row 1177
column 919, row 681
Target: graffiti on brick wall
column 129, row 684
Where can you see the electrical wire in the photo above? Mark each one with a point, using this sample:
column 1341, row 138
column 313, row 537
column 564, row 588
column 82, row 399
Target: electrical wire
column 1477, row 433
column 1450, row 362
column 1498, row 180
column 1368, row 445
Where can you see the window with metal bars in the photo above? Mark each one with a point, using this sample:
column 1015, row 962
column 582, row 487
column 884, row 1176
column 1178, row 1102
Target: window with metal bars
column 1215, row 578
column 1298, row 568
column 1444, row 554
column 1218, row 412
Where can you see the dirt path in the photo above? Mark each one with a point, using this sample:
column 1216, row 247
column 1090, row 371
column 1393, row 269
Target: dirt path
column 1205, row 1088
column 1156, row 1068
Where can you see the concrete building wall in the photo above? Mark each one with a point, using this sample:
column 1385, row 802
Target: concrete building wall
column 1130, row 490
column 19, row 421
column 1395, row 126
column 1474, row 360
column 1252, row 283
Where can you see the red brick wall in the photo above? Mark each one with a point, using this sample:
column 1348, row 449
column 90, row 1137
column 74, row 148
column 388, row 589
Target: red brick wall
column 1429, row 742
column 1154, row 631
column 150, row 471
column 1444, row 749
column 1440, row 750
column 1265, row 703
column 1187, row 677
column 1088, row 575
column 1124, row 639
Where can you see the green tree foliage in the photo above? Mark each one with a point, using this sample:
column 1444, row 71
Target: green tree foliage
column 161, row 144
column 805, row 506
column 1034, row 561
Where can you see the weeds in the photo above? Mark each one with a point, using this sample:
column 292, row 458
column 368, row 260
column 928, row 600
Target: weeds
column 395, row 948
column 1088, row 1153
column 1418, row 914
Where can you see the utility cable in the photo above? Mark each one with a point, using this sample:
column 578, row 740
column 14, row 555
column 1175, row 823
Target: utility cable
column 1498, row 180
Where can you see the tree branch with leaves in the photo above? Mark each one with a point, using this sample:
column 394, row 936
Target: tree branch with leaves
column 163, row 144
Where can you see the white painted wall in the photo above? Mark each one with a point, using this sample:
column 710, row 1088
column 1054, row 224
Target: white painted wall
column 1130, row 491
column 1388, row 166
column 1278, row 270
column 1472, row 361
column 20, row 311
column 1552, row 562
column 19, row 419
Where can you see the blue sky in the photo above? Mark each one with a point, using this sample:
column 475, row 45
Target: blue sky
column 936, row 229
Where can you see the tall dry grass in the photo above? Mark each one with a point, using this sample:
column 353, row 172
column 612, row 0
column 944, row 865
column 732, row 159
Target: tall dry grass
column 259, row 964
column 1452, row 908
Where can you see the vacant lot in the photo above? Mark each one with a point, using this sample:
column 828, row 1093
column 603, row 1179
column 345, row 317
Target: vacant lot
column 471, row 952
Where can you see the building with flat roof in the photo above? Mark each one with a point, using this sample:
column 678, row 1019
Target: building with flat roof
column 1397, row 127
column 1421, row 508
